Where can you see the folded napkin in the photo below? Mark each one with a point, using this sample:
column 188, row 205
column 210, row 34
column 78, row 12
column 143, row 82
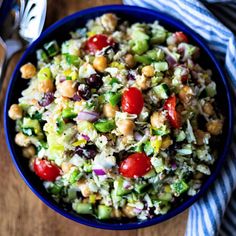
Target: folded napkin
column 215, row 212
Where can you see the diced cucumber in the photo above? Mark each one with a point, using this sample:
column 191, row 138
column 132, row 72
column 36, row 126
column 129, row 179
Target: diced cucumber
column 180, row 136
column 68, row 113
column 140, row 46
column 144, row 59
column 211, row 89
column 55, row 189
column 163, row 130
column 179, row 187
column 161, row 66
column 84, row 208
column 162, row 91
column 158, row 164
column 165, row 197
column 138, row 148
column 141, row 188
column 31, row 124
column 105, row 126
column 185, row 150
column 150, row 174
column 148, row 149
column 114, row 81
column 41, row 55
column 52, row 48
column 120, row 190
column 104, row 212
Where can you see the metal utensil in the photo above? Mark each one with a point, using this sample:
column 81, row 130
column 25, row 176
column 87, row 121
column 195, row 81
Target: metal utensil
column 28, row 21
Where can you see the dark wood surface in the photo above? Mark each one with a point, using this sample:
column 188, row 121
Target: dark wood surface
column 21, row 212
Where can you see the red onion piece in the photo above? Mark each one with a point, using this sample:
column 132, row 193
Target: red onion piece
column 99, row 171
column 47, row 99
column 137, row 136
column 88, row 116
column 86, row 137
column 62, row 78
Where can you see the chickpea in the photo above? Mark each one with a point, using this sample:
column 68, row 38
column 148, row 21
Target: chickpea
column 22, row 140
column 129, row 60
column 65, row 166
column 66, row 88
column 116, row 213
column 126, row 127
column 185, row 94
column 109, row 110
column 128, row 211
column 100, row 63
column 85, row 191
column 157, row 119
column 148, row 71
column 15, row 112
column 208, row 108
column 28, row 71
column 200, row 135
column 45, row 86
column 215, row 127
column 109, row 22
column 166, row 142
column 143, row 83
column 29, row 152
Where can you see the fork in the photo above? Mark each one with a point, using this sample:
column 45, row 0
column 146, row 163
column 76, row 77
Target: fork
column 29, row 17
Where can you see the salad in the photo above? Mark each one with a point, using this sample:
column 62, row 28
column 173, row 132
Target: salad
column 119, row 120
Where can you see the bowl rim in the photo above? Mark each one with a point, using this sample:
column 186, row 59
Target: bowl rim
column 158, row 219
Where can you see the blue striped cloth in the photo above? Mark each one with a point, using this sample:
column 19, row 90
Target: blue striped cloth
column 215, row 213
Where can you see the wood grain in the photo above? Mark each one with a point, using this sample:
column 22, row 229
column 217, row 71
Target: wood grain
column 21, row 212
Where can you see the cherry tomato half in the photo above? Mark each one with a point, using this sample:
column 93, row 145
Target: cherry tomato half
column 181, row 37
column 98, row 42
column 132, row 101
column 46, row 170
column 135, row 165
column 173, row 116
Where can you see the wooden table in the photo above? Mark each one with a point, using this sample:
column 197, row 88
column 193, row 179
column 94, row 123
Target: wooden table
column 21, row 212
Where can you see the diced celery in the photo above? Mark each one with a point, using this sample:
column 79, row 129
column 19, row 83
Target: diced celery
column 84, row 208
column 104, row 212
column 44, row 74
column 138, row 148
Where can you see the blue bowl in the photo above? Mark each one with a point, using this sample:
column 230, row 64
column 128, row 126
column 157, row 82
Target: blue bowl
column 60, row 31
